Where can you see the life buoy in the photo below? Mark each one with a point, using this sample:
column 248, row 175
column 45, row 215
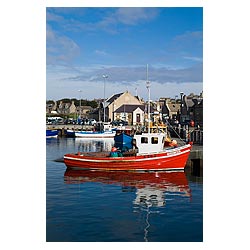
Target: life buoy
column 173, row 143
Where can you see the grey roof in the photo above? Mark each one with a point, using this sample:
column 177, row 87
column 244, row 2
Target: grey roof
column 189, row 103
column 113, row 97
column 164, row 109
column 129, row 108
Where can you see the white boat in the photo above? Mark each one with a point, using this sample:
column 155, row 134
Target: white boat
column 93, row 134
column 103, row 130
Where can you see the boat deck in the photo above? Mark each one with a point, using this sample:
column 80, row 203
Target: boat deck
column 106, row 154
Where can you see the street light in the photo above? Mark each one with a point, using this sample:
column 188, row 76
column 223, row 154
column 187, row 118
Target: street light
column 181, row 93
column 104, row 104
column 80, row 91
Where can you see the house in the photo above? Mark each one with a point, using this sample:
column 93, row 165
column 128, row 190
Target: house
column 83, row 111
column 174, row 109
column 66, row 108
column 51, row 107
column 116, row 101
column 192, row 109
column 170, row 108
column 198, row 112
column 133, row 114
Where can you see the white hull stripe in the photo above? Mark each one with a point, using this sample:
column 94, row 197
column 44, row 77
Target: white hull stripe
column 94, row 135
column 123, row 159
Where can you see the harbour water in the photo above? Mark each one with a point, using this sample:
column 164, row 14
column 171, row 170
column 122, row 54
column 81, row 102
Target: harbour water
column 93, row 206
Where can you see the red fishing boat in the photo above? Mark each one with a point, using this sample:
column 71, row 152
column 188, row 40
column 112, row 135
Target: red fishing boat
column 147, row 152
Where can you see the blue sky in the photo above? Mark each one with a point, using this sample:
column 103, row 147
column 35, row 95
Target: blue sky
column 82, row 44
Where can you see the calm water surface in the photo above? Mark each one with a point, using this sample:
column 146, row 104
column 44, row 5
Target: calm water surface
column 94, row 206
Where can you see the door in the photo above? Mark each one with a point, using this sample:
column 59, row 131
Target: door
column 138, row 118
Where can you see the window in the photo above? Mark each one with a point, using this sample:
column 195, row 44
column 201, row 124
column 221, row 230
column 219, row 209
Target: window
column 138, row 118
column 154, row 140
column 144, row 140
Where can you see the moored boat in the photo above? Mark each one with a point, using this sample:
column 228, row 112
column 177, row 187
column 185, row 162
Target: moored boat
column 50, row 133
column 95, row 134
column 101, row 130
column 70, row 133
column 146, row 152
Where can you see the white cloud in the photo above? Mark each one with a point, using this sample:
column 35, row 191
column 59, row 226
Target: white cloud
column 193, row 58
column 107, row 21
column 64, row 81
column 50, row 16
column 59, row 48
column 101, row 52
column 130, row 74
column 131, row 16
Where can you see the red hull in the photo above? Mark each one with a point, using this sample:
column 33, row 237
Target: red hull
column 173, row 159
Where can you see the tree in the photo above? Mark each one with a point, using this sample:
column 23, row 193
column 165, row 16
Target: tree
column 84, row 102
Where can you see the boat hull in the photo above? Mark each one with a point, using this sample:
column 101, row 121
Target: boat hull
column 70, row 133
column 171, row 159
column 51, row 133
column 89, row 134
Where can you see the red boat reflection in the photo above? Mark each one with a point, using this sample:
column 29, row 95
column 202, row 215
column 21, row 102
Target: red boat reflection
column 151, row 187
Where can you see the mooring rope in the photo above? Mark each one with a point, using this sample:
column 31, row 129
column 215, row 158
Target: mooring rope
column 175, row 132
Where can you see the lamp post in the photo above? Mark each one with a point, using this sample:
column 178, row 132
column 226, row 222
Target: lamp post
column 181, row 93
column 80, row 91
column 104, row 102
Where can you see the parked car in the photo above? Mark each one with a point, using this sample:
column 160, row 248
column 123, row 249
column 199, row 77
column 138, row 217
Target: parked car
column 92, row 122
column 82, row 121
column 119, row 123
column 55, row 120
column 70, row 121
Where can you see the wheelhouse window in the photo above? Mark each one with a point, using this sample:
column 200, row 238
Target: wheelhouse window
column 144, row 140
column 154, row 140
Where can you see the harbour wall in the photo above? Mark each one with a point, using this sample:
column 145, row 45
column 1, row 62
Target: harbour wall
column 194, row 163
column 62, row 128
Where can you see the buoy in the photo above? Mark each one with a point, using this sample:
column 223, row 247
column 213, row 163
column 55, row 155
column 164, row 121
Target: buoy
column 173, row 143
column 114, row 149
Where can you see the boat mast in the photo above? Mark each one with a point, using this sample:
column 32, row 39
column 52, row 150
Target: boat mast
column 148, row 87
column 104, row 101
